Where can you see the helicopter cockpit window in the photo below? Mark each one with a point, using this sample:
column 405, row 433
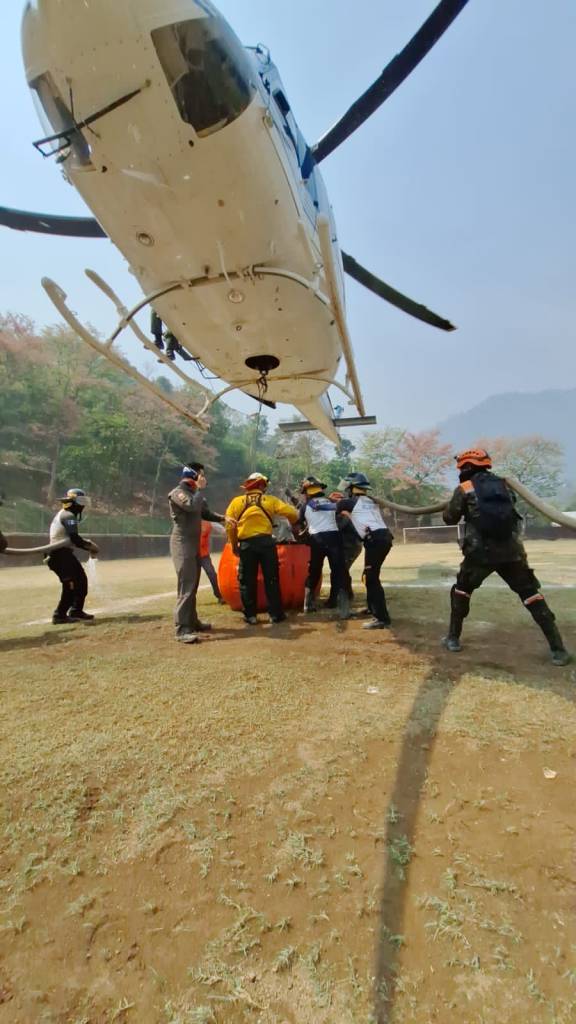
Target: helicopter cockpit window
column 207, row 70
column 57, row 118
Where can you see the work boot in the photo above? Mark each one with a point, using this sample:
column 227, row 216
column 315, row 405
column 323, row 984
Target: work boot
column 452, row 644
column 60, row 620
column 309, row 601
column 459, row 610
column 343, row 605
column 79, row 616
column 561, row 658
column 545, row 618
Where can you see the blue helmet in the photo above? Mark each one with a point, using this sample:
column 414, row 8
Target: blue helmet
column 356, row 481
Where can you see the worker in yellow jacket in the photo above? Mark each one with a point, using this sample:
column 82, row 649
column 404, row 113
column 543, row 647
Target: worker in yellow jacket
column 249, row 524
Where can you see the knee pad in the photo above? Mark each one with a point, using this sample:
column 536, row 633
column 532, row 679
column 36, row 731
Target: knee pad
column 538, row 608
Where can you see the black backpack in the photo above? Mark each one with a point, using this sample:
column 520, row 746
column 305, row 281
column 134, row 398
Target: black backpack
column 497, row 517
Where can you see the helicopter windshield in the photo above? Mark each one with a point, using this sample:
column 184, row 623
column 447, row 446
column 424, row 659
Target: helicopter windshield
column 57, row 119
column 207, row 70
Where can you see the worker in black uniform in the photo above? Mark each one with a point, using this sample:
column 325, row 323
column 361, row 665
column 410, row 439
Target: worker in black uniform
column 318, row 516
column 377, row 539
column 492, row 544
column 352, row 549
column 188, row 508
column 63, row 561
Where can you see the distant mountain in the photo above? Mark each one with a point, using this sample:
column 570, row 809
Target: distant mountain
column 552, row 414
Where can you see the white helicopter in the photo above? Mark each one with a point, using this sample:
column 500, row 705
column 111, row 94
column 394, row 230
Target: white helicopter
column 183, row 144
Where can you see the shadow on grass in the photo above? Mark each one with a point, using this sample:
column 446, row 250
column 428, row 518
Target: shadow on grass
column 76, row 630
column 27, row 643
column 128, row 619
column 286, row 631
column 418, row 744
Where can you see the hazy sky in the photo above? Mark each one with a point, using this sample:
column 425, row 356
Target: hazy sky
column 459, row 191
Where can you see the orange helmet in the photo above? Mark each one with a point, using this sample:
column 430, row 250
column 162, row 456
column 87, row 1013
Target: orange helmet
column 473, row 457
column 256, row 482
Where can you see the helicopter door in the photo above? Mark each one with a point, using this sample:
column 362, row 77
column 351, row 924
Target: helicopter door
column 207, row 70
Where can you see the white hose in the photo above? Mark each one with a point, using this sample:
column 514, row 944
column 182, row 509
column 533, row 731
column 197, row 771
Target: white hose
column 411, row 510
column 545, row 509
column 44, row 549
column 541, row 506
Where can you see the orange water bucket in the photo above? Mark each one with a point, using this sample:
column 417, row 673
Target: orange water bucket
column 293, row 562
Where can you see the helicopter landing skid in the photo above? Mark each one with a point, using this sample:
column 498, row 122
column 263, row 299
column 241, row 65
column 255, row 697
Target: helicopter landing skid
column 58, row 298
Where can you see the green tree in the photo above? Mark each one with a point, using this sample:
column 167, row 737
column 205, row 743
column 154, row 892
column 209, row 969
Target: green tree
column 378, row 456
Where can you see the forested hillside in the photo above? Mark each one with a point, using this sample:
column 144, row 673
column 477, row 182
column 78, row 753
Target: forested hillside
column 69, row 418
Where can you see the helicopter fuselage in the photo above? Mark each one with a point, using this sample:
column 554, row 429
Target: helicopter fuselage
column 199, row 175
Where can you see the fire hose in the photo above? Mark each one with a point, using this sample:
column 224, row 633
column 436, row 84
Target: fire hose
column 541, row 506
column 44, row 549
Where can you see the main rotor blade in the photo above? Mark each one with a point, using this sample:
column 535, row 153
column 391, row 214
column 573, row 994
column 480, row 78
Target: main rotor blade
column 49, row 224
column 391, row 295
column 393, row 75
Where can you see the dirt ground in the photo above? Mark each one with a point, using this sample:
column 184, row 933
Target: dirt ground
column 300, row 823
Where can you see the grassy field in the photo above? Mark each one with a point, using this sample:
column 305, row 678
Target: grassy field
column 300, row 824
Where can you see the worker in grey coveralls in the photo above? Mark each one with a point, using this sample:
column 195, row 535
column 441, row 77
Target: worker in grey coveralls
column 187, row 509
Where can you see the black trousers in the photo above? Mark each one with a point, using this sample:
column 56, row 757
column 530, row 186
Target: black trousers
column 377, row 547
column 73, row 579
column 518, row 575
column 520, row 578
column 352, row 549
column 330, row 546
column 259, row 552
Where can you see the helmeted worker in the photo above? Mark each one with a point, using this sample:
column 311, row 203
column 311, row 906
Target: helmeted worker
column 63, row 561
column 352, row 548
column 377, row 539
column 188, row 508
column 318, row 515
column 492, row 544
column 249, row 524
